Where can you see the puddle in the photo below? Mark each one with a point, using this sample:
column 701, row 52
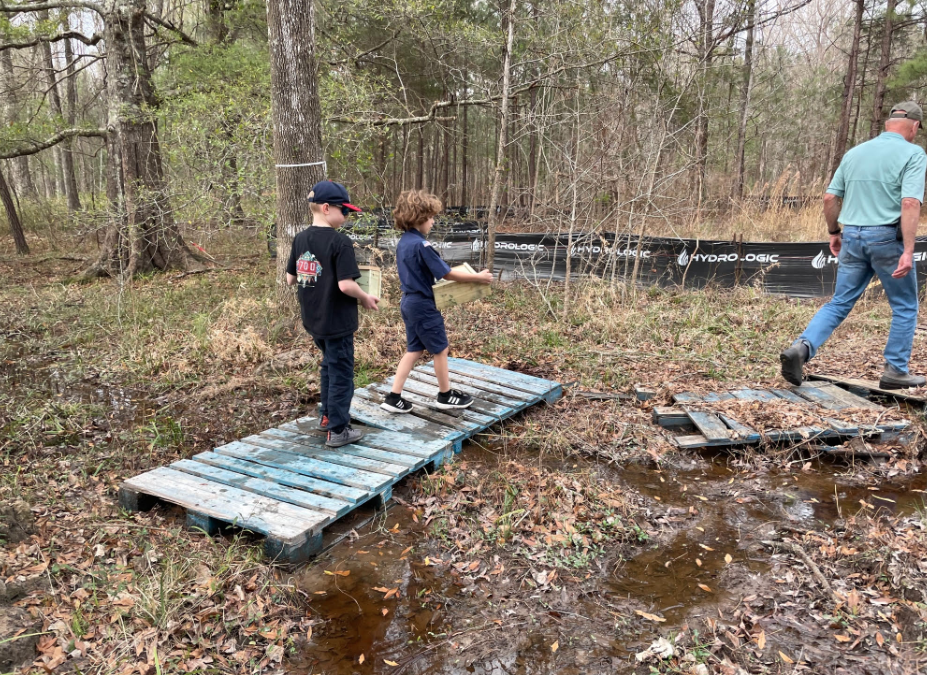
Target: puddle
column 706, row 521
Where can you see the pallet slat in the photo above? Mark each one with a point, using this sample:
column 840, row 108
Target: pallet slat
column 712, row 428
column 265, row 488
column 335, row 473
column 333, row 455
column 526, row 398
column 320, row 487
column 229, row 504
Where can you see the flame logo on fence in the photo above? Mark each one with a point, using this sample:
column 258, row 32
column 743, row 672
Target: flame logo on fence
column 683, row 258
column 819, row 260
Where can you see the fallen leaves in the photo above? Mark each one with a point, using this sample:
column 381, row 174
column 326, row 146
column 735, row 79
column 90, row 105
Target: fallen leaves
column 649, row 617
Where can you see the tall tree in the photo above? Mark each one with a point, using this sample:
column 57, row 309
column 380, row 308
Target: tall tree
column 297, row 118
column 878, row 97
column 70, row 116
column 499, row 172
column 849, row 85
column 16, row 226
column 746, row 87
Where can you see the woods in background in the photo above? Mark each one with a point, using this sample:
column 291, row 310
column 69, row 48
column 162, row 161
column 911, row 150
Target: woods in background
column 136, row 120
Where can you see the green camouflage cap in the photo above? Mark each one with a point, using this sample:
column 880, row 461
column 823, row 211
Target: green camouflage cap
column 907, row 110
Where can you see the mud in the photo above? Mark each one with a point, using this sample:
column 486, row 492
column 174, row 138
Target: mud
column 703, row 523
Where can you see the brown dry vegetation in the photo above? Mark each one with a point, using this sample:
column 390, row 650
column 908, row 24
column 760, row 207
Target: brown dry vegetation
column 102, row 382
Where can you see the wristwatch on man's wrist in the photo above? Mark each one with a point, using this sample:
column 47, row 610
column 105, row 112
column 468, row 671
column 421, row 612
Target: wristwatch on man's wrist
column 834, row 233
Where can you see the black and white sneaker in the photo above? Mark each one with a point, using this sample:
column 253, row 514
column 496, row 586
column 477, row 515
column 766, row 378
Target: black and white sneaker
column 454, row 400
column 395, row 403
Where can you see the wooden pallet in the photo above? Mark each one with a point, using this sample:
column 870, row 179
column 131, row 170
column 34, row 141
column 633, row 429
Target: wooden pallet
column 285, row 484
column 719, row 430
column 869, row 386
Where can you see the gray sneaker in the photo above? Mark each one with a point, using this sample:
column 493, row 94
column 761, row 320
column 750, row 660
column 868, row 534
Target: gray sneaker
column 348, row 435
column 892, row 378
column 793, row 361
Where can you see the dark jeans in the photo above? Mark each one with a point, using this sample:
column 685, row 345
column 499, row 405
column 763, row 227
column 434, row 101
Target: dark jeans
column 336, row 380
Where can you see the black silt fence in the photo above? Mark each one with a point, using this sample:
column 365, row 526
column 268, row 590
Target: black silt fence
column 803, row 270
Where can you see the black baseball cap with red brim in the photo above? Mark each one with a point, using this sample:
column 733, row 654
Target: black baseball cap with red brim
column 330, row 192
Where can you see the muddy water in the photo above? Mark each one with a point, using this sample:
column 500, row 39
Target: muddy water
column 705, row 522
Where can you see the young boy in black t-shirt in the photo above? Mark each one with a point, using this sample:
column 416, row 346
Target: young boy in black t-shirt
column 322, row 262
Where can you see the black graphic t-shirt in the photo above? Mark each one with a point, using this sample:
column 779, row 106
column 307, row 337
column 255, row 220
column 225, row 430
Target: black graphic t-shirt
column 319, row 259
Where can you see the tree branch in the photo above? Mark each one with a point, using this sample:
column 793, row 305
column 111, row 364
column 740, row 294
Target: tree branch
column 164, row 23
column 40, row 6
column 358, row 57
column 68, row 35
column 37, row 146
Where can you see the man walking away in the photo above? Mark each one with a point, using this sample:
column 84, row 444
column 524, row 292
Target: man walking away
column 876, row 194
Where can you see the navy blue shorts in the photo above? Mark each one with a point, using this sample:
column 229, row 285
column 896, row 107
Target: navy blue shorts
column 424, row 326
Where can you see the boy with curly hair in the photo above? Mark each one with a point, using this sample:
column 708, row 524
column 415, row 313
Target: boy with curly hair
column 419, row 265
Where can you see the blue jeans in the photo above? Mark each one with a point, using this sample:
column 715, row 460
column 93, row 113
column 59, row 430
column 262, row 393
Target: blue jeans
column 336, row 380
column 869, row 251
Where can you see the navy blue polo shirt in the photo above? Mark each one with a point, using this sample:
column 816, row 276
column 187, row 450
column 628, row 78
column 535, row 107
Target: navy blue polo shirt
column 419, row 265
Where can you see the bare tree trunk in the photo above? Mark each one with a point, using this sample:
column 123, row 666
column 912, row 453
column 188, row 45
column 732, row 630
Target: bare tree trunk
column 849, row 85
column 297, row 117
column 500, row 151
column 16, row 226
column 706, row 11
column 21, row 176
column 878, row 98
column 738, row 192
column 464, row 141
column 54, row 97
column 145, row 237
column 573, row 212
column 67, row 147
column 862, row 87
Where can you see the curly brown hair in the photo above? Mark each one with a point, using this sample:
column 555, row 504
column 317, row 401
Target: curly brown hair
column 414, row 207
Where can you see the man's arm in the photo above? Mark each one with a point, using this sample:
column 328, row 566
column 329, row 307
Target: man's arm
column 910, row 215
column 832, row 206
column 350, row 288
column 290, row 279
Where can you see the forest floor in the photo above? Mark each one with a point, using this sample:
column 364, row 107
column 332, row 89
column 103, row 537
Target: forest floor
column 568, row 540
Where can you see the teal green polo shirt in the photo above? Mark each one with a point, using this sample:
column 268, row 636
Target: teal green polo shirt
column 875, row 176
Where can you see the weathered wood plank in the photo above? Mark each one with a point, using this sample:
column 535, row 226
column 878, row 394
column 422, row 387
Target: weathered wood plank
column 791, row 398
column 411, row 392
column 850, row 399
column 354, row 449
column 711, row 427
column 265, row 488
column 332, row 455
column 478, row 389
column 669, row 418
column 481, row 406
column 228, row 504
column 716, row 397
column 526, row 398
column 753, row 395
column 819, row 397
column 871, row 385
column 510, row 378
column 687, row 397
column 372, row 415
column 462, row 427
column 320, row 487
column 308, row 466
column 742, row 432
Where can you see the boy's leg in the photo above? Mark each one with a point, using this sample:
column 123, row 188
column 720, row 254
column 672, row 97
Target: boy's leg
column 406, row 364
column 340, row 356
column 323, row 379
column 444, row 379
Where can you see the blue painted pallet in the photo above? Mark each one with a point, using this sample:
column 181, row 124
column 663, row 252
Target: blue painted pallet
column 286, row 484
column 718, row 430
column 498, row 394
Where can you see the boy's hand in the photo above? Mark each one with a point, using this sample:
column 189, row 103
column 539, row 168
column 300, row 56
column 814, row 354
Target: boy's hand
column 370, row 302
column 484, row 277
